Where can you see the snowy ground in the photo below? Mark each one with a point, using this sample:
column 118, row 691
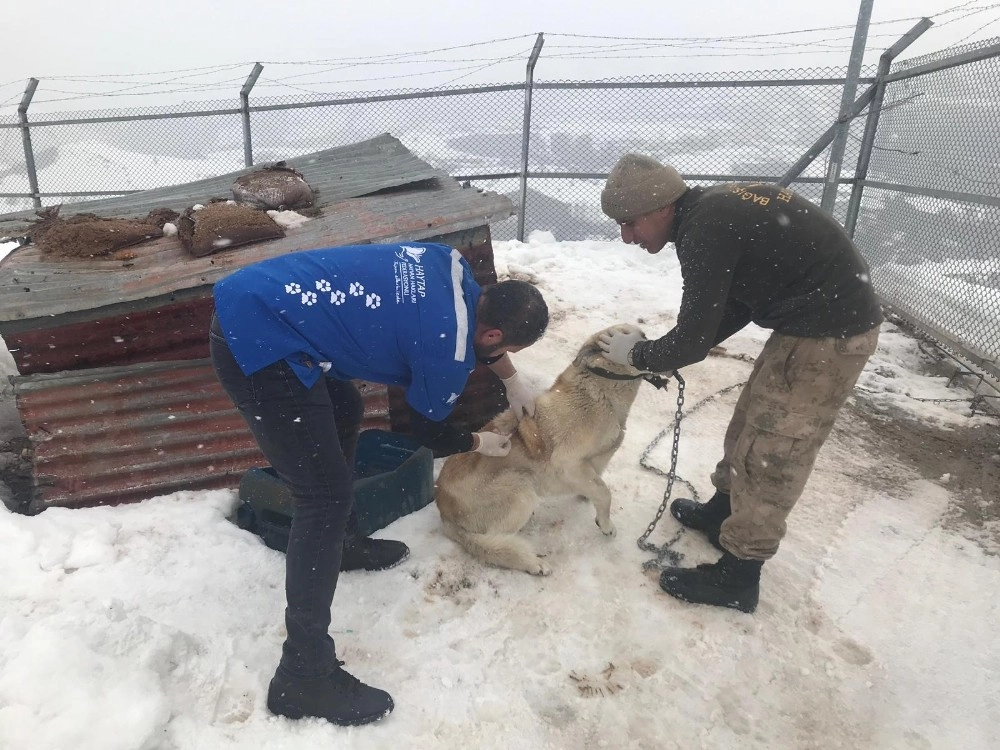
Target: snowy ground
column 158, row 625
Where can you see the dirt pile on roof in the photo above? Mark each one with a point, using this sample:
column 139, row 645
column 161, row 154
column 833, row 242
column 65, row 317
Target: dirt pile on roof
column 274, row 186
column 224, row 224
column 92, row 236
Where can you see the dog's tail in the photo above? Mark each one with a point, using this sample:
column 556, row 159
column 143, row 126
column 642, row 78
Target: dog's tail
column 501, row 550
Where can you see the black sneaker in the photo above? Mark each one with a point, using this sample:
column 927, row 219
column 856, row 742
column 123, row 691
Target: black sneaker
column 729, row 582
column 705, row 517
column 372, row 554
column 340, row 698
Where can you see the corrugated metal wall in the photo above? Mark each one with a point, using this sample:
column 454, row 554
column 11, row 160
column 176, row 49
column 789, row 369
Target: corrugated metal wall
column 119, row 434
column 115, row 390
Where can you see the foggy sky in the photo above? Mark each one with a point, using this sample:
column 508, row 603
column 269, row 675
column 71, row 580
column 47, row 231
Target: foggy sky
column 49, row 39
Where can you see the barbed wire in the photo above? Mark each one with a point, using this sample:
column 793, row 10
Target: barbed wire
column 971, row 12
column 472, row 69
column 562, row 47
column 969, row 36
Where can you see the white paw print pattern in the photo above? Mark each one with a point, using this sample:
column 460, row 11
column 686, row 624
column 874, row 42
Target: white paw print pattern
column 373, row 301
column 338, row 298
column 309, row 298
column 356, row 289
column 292, row 288
column 323, row 285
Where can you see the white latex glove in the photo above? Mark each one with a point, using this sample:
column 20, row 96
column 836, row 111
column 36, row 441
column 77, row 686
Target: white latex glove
column 618, row 344
column 491, row 444
column 518, row 396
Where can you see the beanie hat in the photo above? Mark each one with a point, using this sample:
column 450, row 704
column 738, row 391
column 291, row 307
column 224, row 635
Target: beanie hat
column 639, row 184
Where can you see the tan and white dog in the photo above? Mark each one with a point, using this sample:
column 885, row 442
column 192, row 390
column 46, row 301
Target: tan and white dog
column 564, row 448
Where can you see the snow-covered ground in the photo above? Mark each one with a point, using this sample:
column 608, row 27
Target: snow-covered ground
column 158, row 625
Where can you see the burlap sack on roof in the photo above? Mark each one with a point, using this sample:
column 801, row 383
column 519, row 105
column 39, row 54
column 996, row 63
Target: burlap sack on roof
column 274, row 186
column 91, row 236
column 221, row 225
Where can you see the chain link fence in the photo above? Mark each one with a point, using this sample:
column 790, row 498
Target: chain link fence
column 929, row 219
column 718, row 127
column 929, row 223
column 13, row 173
column 715, row 128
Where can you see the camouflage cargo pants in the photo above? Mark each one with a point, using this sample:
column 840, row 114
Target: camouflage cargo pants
column 783, row 415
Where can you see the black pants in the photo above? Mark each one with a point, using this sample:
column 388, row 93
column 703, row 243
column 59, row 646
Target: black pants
column 309, row 436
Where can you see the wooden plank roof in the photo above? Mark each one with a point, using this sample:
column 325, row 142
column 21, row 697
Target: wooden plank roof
column 375, row 191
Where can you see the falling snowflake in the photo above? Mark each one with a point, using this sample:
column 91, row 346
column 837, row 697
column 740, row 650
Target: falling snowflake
column 292, row 288
column 338, row 297
column 323, row 285
column 373, row 301
column 356, row 289
column 309, row 298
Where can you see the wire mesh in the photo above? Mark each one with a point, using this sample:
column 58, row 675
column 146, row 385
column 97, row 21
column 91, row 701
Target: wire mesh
column 122, row 156
column 941, row 131
column 936, row 257
column 943, row 54
column 462, row 133
column 744, row 127
column 13, row 172
column 938, row 262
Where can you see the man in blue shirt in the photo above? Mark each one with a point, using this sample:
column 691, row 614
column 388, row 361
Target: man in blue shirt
column 289, row 335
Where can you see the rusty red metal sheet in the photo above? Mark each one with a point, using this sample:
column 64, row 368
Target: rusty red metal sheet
column 117, row 435
column 114, row 387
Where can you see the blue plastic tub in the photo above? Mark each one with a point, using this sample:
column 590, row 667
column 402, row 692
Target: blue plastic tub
column 394, row 476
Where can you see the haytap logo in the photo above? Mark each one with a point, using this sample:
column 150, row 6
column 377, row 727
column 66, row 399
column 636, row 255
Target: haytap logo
column 414, row 253
column 373, row 301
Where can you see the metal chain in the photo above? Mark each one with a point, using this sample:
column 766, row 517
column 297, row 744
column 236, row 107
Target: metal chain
column 665, row 553
column 977, row 403
column 671, row 476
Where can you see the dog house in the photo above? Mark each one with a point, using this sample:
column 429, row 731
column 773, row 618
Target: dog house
column 114, row 387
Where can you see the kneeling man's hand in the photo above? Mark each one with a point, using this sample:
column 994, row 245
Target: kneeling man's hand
column 519, row 396
column 491, row 444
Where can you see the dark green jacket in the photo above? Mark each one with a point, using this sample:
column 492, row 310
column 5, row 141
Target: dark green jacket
column 759, row 253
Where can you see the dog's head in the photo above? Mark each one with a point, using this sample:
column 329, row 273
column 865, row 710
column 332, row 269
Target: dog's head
column 591, row 355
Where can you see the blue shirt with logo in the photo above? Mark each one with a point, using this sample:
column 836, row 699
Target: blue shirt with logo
column 401, row 314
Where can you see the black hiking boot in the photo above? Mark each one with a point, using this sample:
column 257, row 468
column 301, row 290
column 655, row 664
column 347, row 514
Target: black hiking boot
column 365, row 553
column 729, row 582
column 340, row 698
column 705, row 517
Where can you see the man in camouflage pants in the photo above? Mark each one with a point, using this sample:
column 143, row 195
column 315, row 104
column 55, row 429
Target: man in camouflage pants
column 750, row 253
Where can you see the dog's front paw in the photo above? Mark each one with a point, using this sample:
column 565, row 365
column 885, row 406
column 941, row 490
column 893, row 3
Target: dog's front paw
column 540, row 568
column 607, row 527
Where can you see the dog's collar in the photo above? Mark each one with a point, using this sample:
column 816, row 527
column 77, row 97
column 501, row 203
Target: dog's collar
column 652, row 379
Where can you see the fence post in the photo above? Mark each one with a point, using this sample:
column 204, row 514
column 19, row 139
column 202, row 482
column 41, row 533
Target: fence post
column 526, row 131
column 245, row 106
column 846, row 99
column 859, row 106
column 29, row 154
column 871, row 124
